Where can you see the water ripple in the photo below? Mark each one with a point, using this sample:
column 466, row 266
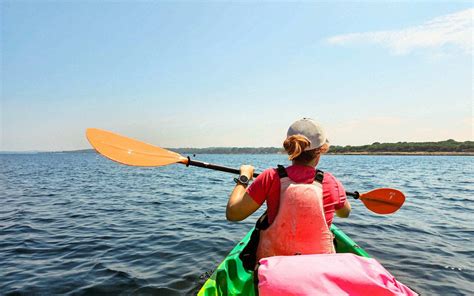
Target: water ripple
column 80, row 224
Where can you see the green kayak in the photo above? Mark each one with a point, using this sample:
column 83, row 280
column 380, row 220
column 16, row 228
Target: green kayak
column 230, row 277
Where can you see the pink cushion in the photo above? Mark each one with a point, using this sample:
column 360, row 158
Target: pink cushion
column 326, row 274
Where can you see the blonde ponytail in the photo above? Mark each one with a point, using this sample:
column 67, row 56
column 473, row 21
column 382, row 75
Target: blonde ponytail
column 295, row 145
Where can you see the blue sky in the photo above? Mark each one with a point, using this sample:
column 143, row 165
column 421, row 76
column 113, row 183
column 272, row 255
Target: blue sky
column 200, row 74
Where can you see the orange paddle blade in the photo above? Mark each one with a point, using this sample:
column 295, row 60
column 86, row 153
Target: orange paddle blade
column 129, row 151
column 383, row 200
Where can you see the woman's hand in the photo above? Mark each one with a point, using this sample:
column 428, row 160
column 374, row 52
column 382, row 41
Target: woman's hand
column 247, row 170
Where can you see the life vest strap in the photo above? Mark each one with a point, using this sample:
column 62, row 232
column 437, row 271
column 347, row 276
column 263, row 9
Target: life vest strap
column 281, row 171
column 319, row 176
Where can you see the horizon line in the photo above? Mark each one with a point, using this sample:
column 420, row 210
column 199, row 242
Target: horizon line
column 218, row 147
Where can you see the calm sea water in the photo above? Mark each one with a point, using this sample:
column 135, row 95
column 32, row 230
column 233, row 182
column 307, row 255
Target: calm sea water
column 81, row 224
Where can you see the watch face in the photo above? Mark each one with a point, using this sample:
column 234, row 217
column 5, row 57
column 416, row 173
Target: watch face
column 244, row 179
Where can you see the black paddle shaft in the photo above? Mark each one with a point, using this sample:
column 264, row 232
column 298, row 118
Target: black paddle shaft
column 215, row 167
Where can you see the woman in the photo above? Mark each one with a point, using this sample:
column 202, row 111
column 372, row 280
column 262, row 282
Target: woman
column 301, row 201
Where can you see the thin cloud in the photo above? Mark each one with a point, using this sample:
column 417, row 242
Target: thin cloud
column 453, row 30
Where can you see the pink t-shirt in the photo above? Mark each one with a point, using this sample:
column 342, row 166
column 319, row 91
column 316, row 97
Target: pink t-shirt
column 267, row 187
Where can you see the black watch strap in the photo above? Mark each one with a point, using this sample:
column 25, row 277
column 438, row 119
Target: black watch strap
column 244, row 180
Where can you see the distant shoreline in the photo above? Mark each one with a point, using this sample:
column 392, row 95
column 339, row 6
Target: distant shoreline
column 407, row 153
column 441, row 148
column 420, row 153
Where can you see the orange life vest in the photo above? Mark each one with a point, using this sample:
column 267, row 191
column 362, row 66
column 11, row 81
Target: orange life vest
column 300, row 226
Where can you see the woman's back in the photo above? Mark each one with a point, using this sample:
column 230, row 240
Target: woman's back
column 300, row 226
column 266, row 187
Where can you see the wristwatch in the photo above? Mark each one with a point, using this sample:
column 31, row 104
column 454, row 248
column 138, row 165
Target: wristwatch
column 242, row 179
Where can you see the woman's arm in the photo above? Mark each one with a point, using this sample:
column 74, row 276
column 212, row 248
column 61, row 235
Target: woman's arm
column 240, row 204
column 345, row 210
column 334, row 191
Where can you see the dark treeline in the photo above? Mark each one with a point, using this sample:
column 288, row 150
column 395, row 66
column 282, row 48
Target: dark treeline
column 229, row 150
column 448, row 146
column 442, row 146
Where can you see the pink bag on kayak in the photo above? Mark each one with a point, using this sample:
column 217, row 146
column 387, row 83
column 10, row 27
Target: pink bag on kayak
column 326, row 274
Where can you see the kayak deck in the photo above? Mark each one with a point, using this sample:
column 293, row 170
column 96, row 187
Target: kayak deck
column 230, row 277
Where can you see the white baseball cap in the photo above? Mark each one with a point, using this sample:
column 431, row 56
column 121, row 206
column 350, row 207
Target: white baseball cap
column 310, row 129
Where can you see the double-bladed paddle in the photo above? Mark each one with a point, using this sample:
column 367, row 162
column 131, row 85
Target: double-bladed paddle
column 136, row 153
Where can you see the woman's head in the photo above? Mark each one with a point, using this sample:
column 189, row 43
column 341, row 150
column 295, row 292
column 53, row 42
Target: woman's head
column 306, row 141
